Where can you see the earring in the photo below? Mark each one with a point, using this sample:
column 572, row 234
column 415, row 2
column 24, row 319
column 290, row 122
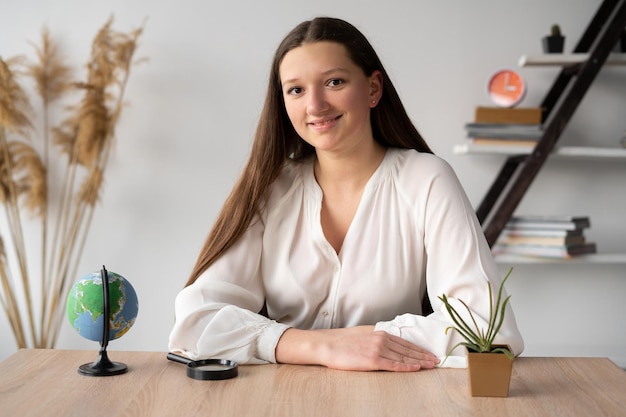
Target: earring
column 373, row 101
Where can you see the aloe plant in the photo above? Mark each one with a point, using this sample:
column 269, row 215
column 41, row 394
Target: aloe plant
column 479, row 339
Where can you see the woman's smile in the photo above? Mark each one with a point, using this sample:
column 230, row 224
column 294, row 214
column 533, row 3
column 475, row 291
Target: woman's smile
column 323, row 124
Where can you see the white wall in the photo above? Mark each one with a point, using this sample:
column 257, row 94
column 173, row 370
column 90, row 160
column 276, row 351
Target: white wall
column 194, row 106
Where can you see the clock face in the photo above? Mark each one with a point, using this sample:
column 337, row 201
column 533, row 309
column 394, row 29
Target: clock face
column 506, row 88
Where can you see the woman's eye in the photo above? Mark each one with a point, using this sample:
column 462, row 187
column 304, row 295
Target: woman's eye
column 294, row 90
column 335, row 82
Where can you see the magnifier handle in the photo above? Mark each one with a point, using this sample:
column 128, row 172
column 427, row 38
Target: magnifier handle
column 178, row 358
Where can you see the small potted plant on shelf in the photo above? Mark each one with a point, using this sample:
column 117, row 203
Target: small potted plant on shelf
column 553, row 43
column 489, row 364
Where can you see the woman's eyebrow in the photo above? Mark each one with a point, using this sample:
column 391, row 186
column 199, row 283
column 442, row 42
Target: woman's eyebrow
column 327, row 72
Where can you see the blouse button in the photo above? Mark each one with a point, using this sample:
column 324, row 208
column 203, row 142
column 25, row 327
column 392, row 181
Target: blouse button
column 325, row 313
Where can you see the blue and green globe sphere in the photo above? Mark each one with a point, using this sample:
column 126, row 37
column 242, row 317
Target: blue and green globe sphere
column 85, row 307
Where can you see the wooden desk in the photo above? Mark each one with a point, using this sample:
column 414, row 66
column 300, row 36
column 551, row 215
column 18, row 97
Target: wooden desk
column 45, row 383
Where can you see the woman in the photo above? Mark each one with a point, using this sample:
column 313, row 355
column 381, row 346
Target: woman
column 341, row 220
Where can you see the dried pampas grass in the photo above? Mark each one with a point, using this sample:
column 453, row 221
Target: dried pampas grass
column 14, row 105
column 84, row 140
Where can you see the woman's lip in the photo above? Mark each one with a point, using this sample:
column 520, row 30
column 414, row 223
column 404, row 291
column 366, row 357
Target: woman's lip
column 324, row 122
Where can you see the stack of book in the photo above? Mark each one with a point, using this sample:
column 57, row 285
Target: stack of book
column 545, row 236
column 501, row 127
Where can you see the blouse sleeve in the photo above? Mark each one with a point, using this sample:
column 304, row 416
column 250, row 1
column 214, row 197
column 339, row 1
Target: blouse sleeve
column 215, row 315
column 459, row 264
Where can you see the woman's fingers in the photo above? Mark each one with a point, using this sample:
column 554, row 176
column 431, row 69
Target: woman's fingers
column 406, row 349
column 400, row 351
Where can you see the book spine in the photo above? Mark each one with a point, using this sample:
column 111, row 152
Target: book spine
column 530, row 143
column 546, row 226
column 495, row 134
column 519, row 115
column 545, row 251
column 542, row 241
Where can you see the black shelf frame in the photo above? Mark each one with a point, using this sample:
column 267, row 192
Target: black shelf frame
column 559, row 105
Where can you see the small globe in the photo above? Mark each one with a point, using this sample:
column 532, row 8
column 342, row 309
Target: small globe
column 85, row 309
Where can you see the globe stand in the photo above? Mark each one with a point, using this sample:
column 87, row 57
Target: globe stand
column 103, row 365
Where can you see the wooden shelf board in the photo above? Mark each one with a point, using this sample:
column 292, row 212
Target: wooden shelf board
column 566, row 59
column 559, row 152
column 596, row 258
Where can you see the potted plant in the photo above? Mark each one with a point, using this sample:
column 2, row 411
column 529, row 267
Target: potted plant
column 489, row 364
column 553, row 43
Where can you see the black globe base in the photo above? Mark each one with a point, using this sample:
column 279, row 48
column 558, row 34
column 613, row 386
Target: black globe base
column 102, row 367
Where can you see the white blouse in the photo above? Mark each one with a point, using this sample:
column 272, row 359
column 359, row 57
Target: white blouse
column 414, row 229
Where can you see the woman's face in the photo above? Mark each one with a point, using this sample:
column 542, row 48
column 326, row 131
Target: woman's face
column 328, row 97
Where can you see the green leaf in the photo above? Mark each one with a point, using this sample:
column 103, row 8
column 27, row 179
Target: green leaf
column 506, row 351
column 495, row 328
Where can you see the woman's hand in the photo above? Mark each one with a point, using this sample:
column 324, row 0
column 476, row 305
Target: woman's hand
column 356, row 349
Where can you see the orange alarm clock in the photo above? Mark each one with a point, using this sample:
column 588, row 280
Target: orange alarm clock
column 506, row 88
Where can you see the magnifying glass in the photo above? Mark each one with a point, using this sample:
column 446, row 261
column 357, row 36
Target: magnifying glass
column 207, row 369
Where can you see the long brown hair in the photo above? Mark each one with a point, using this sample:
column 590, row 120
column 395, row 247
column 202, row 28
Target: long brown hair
column 276, row 140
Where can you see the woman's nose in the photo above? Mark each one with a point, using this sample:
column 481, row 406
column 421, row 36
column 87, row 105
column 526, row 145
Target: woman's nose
column 316, row 101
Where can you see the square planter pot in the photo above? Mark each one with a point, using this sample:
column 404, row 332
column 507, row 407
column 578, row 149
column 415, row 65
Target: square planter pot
column 489, row 374
column 553, row 44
